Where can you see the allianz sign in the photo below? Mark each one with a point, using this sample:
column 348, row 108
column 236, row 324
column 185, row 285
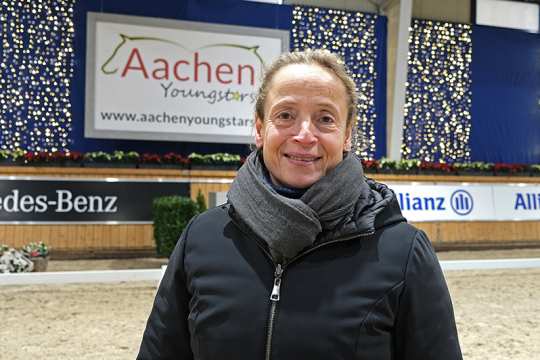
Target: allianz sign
column 468, row 202
column 460, row 201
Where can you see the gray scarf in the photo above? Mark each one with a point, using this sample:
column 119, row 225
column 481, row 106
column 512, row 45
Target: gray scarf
column 290, row 225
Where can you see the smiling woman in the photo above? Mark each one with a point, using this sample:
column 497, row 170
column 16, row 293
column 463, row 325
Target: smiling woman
column 306, row 245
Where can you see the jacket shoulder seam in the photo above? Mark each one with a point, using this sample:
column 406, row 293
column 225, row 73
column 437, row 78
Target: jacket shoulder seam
column 393, row 288
column 191, row 223
column 409, row 255
column 399, row 285
column 184, row 245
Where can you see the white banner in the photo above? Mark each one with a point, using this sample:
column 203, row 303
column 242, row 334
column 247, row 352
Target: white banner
column 517, row 202
column 158, row 79
column 421, row 202
column 468, row 202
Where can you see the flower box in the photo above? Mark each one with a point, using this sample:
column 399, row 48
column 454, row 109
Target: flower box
column 215, row 166
column 40, row 263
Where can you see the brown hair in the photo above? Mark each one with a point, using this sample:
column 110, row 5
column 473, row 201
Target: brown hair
column 323, row 58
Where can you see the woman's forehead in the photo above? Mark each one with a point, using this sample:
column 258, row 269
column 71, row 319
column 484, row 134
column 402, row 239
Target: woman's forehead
column 306, row 78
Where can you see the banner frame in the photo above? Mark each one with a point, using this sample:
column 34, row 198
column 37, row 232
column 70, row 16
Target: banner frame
column 90, row 130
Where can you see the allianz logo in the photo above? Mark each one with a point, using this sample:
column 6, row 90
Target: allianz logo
column 527, row 201
column 461, row 202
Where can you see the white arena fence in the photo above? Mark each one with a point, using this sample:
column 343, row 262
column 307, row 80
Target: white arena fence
column 112, row 276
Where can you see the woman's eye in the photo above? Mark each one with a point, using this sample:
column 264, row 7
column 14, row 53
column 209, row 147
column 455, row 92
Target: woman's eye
column 327, row 120
column 284, row 116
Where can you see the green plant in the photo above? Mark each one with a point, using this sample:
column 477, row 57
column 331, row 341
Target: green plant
column 201, row 202
column 535, row 168
column 18, row 155
column 387, row 164
column 119, row 156
column 481, row 166
column 171, row 215
column 5, row 154
column 97, row 156
column 215, row 159
column 195, row 158
column 35, row 249
column 461, row 166
column 408, row 164
column 3, row 248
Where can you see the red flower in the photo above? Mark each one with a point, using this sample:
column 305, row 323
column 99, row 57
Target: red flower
column 147, row 158
column 57, row 156
column 442, row 167
column 74, row 156
column 509, row 168
column 370, row 164
column 29, row 156
column 172, row 158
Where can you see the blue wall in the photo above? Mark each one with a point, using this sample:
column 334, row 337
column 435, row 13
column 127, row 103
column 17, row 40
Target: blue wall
column 506, row 96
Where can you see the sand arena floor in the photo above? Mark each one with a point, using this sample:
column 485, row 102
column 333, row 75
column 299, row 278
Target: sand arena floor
column 497, row 313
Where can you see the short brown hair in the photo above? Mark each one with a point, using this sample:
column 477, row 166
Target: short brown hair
column 323, row 58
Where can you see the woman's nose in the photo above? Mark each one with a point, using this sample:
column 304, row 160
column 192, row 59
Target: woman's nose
column 305, row 133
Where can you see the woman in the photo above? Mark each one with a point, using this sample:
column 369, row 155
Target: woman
column 309, row 259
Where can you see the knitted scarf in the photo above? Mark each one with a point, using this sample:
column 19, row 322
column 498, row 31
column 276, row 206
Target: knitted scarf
column 290, row 225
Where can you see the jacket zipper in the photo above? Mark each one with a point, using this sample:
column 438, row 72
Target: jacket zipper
column 275, row 295
column 274, row 298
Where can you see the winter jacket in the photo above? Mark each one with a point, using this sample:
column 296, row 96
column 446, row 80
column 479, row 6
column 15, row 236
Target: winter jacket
column 378, row 294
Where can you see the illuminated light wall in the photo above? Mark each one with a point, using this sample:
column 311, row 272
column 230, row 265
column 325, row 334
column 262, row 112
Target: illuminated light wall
column 36, row 68
column 437, row 124
column 352, row 36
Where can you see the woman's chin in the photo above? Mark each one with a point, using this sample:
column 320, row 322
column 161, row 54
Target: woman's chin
column 300, row 182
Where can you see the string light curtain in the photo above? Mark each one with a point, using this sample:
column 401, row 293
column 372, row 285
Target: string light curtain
column 437, row 123
column 36, row 69
column 352, row 36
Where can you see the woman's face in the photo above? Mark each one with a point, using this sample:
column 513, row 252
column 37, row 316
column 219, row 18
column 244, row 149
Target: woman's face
column 305, row 130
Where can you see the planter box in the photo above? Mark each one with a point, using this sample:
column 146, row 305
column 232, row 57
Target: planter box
column 386, row 171
column 40, row 263
column 474, row 173
column 109, row 165
column 10, row 163
column 214, row 167
column 436, row 172
column 512, row 174
column 55, row 164
column 405, row 172
column 161, row 166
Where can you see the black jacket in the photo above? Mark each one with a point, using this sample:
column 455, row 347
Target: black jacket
column 378, row 294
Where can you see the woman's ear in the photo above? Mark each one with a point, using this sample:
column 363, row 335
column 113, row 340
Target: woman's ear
column 259, row 133
column 347, row 145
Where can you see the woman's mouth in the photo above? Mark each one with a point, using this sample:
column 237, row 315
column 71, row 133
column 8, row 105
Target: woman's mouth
column 303, row 158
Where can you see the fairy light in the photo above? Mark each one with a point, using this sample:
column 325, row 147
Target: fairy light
column 36, row 69
column 437, row 122
column 352, row 36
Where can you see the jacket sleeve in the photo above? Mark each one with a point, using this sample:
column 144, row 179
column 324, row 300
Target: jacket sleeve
column 167, row 335
column 425, row 325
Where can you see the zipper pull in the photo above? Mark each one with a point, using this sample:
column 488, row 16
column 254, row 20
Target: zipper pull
column 277, row 283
